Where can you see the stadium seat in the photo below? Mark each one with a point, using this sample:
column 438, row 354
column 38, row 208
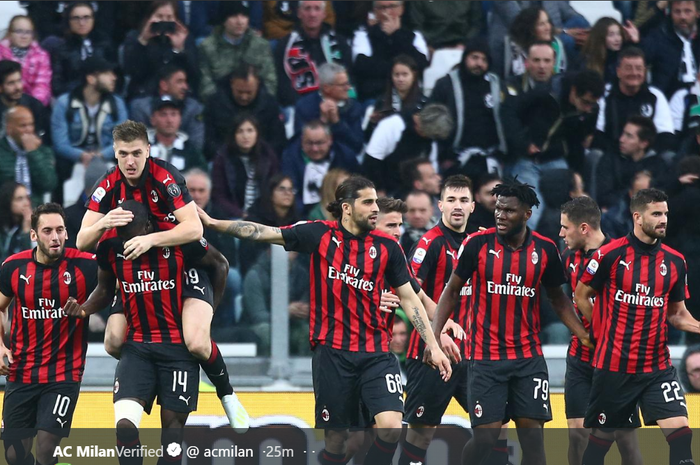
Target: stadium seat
column 443, row 61
column 593, row 11
column 7, row 11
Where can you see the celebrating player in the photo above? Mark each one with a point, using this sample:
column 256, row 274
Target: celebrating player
column 507, row 373
column 638, row 283
column 161, row 187
column 350, row 264
column 580, row 230
column 47, row 347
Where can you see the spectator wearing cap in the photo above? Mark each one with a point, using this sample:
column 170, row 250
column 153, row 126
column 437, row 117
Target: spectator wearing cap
column 231, row 43
column 474, row 96
column 12, row 94
column 333, row 106
column 375, row 47
column 83, row 119
column 82, row 40
column 167, row 142
column 74, row 214
column 242, row 92
column 299, row 56
column 173, row 83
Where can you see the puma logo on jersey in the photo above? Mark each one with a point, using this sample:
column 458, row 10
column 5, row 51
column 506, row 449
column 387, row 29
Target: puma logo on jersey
column 573, row 267
column 451, row 254
column 337, row 242
column 62, row 423
column 165, row 181
column 427, row 241
column 121, row 256
column 186, row 400
column 25, row 278
column 625, row 264
column 493, row 252
column 200, row 289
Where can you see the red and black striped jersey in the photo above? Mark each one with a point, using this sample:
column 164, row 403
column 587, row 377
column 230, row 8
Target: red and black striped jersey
column 151, row 288
column 47, row 345
column 634, row 282
column 504, row 315
column 433, row 259
column 162, row 188
column 575, row 262
column 348, row 274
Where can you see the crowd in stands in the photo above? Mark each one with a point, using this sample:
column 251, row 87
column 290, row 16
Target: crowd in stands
column 267, row 106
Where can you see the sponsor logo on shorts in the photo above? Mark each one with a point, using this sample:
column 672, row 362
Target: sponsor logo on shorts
column 325, row 415
column 420, row 411
column 116, row 386
column 602, row 418
column 478, row 410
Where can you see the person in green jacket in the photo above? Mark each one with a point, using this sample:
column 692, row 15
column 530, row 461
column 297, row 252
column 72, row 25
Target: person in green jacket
column 231, row 43
column 24, row 158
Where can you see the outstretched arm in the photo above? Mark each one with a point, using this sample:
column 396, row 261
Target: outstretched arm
column 100, row 298
column 95, row 224
column 217, row 268
column 680, row 318
column 243, row 229
column 565, row 311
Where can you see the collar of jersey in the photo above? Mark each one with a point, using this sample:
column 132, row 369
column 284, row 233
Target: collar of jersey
column 348, row 234
column 641, row 246
column 589, row 253
column 526, row 243
column 52, row 265
column 448, row 233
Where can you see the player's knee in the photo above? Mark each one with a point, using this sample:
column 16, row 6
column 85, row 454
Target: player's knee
column 113, row 346
column 127, row 414
column 578, row 437
column 45, row 451
column 486, row 437
column 389, row 434
column 198, row 344
column 336, row 439
column 420, row 437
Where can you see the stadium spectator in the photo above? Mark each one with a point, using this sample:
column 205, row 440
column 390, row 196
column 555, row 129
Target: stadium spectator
column 649, row 14
column 616, row 170
column 299, row 56
column 199, row 17
column 561, row 16
column 375, row 47
column 275, row 207
column 242, row 92
column 399, row 340
column 24, row 158
column 12, row 94
column 161, row 40
column 419, row 174
column 20, row 45
column 601, row 51
column 199, row 186
column 402, row 137
column 82, row 120
column 333, row 178
column 309, row 158
column 279, row 18
column 672, row 48
column 617, row 220
column 15, row 219
column 81, row 41
column 173, row 82
column 530, row 26
column 333, row 106
column 446, row 25
column 419, row 218
column 402, row 92
column 50, row 19
column 485, row 203
column 689, row 371
column 630, row 96
column 167, row 141
column 74, row 214
column 556, row 186
column 474, row 96
column 231, row 43
column 242, row 168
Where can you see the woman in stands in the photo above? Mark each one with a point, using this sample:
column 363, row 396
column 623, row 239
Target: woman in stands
column 531, row 25
column 607, row 38
column 15, row 219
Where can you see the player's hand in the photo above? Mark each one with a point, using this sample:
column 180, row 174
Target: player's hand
column 450, row 348
column 73, row 308
column 586, row 341
column 5, row 367
column 438, row 360
column 205, row 218
column 455, row 329
column 116, row 218
column 137, row 246
column 389, row 302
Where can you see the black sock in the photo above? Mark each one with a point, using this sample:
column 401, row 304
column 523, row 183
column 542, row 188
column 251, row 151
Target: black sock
column 596, row 450
column 326, row 458
column 380, row 452
column 128, row 438
column 168, row 437
column 29, row 460
column 216, row 371
column 53, row 462
column 411, row 453
column 499, row 453
column 679, row 442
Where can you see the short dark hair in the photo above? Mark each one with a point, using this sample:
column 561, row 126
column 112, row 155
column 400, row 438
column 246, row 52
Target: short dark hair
column 348, row 190
column 631, row 52
column 167, row 71
column 582, row 210
column 419, row 192
column 244, row 71
column 589, row 81
column 641, row 199
column 8, row 67
column 484, row 179
column 129, row 131
column 142, row 216
column 695, row 2
column 409, row 170
column 391, row 205
column 647, row 128
column 525, row 193
column 689, row 165
column 543, row 43
column 457, row 181
column 46, row 209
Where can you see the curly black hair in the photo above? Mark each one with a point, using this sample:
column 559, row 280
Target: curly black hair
column 514, row 188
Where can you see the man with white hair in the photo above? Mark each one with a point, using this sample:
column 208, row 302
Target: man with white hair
column 333, row 106
column 299, row 56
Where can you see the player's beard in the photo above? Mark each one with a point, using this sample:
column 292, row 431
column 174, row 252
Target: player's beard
column 514, row 231
column 49, row 253
column 363, row 223
column 651, row 231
